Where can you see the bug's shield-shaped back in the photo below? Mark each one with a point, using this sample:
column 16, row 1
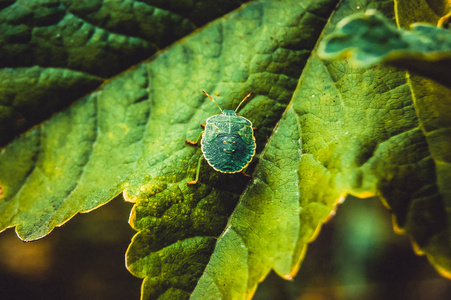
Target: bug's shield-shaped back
column 228, row 143
column 211, row 132
column 247, row 134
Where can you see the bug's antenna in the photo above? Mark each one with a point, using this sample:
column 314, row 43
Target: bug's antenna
column 236, row 109
column 212, row 100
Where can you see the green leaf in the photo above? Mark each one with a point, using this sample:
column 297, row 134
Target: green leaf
column 262, row 232
column 371, row 39
column 80, row 158
column 413, row 174
column 360, row 135
column 77, row 44
column 427, row 11
column 325, row 130
column 29, row 95
column 273, row 58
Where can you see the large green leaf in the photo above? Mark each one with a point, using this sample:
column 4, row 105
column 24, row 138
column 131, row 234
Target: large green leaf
column 412, row 182
column 52, row 173
column 360, row 135
column 428, row 216
column 77, row 44
column 334, row 130
column 268, row 61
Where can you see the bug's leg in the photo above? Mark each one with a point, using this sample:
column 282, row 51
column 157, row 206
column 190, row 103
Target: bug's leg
column 197, row 172
column 194, row 142
column 245, row 174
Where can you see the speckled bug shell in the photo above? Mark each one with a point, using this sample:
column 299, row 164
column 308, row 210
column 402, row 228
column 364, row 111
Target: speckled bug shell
column 228, row 142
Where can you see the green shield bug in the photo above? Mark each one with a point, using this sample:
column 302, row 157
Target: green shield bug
column 227, row 142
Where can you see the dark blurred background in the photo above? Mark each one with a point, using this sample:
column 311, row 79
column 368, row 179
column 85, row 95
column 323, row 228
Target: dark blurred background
column 83, row 259
column 356, row 256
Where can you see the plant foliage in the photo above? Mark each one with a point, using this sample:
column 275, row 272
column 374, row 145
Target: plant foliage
column 326, row 128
